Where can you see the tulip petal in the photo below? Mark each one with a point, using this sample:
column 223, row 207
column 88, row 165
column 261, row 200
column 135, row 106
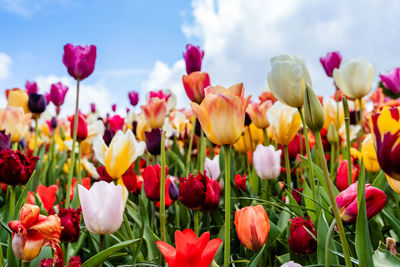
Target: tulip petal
column 209, row 251
column 169, row 253
column 100, row 148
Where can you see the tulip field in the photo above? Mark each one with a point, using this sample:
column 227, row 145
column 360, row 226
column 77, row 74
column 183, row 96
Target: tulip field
column 282, row 178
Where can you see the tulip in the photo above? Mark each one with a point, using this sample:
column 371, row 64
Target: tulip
column 332, row 135
column 295, row 146
column 47, row 195
column 79, row 60
column 258, row 113
column 33, row 231
column 133, row 97
column 173, row 190
column 267, row 96
column 194, row 85
column 369, row 155
column 114, row 107
column 252, row 226
column 285, row 122
column 70, row 221
column 52, row 124
column 240, row 182
column 57, row 93
column 116, row 123
column 193, row 57
column 31, row 87
column 85, row 183
column 82, row 132
column 190, row 250
column 132, row 181
column 222, row 113
column 251, row 137
column 314, row 114
column 342, row 178
column 119, row 155
column 291, row 264
column 108, row 136
column 5, row 140
column 391, row 80
column 199, row 192
column 267, row 162
column 211, row 167
column 102, row 207
column 94, row 130
column 151, row 177
column 37, row 103
column 103, row 174
column 17, row 98
column 331, row 114
column 153, row 141
column 375, row 200
column 93, row 107
column 330, row 62
column 15, row 167
column 288, row 78
column 154, row 112
column 354, row 77
column 300, row 240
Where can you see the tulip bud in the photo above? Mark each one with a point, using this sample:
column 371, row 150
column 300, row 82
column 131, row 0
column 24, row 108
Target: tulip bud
column 114, row 107
column 132, row 181
column 152, row 176
column 153, row 141
column 346, row 107
column 193, row 57
column 300, row 240
column 82, row 128
column 107, row 136
column 342, row 180
column 173, row 191
column 391, row 80
column 37, row 103
column 93, row 107
column 252, row 226
column 31, row 87
column 116, row 123
column 375, row 200
column 333, row 136
column 330, row 62
column 133, row 98
column 314, row 114
column 211, row 167
column 194, row 85
column 57, row 93
column 17, row 98
column 240, row 182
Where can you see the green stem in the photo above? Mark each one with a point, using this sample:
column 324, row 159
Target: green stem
column 266, row 139
column 266, row 186
column 361, row 124
column 36, row 135
column 196, row 222
column 328, row 242
column 227, row 241
column 75, row 132
column 397, row 207
column 335, row 209
column 163, row 217
column 332, row 159
column 15, row 146
column 348, row 142
column 310, row 163
column 78, row 171
column 25, row 263
column 177, row 221
column 202, row 150
column 11, row 201
column 287, row 166
column 189, row 152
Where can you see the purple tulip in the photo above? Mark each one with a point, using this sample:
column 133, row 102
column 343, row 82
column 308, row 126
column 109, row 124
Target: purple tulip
column 193, row 57
column 79, row 60
column 93, row 107
column 330, row 62
column 133, row 97
column 37, row 103
column 153, row 141
column 173, row 191
column 5, row 140
column 31, row 87
column 391, row 80
column 113, row 107
column 57, row 93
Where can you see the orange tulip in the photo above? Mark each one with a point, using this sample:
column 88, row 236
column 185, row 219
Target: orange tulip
column 194, row 85
column 258, row 113
column 17, row 98
column 252, row 226
column 221, row 113
column 154, row 112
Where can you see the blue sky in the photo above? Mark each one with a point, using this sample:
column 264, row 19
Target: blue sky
column 140, row 43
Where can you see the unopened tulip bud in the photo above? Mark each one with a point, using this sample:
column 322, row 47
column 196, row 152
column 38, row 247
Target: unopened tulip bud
column 37, row 103
column 153, row 141
column 314, row 114
column 173, row 191
column 300, row 240
column 333, row 137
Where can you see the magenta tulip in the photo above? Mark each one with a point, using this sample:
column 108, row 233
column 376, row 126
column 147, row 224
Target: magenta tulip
column 57, row 93
column 31, row 87
column 391, row 80
column 193, row 57
column 133, row 98
column 330, row 62
column 79, row 60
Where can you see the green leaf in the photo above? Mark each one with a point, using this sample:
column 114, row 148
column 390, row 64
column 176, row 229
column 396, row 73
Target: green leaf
column 254, row 182
column 323, row 228
column 176, row 158
column 103, row 255
column 383, row 258
column 380, row 181
column 363, row 242
column 254, row 261
column 394, row 223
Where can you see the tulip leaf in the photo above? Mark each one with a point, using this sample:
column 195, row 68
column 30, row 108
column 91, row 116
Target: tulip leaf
column 22, row 196
column 323, row 228
column 254, row 182
column 383, row 258
column 380, row 181
column 362, row 239
column 394, row 223
column 254, row 261
column 176, row 158
column 308, row 201
column 103, row 255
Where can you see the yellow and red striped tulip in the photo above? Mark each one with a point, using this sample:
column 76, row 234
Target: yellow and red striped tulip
column 17, row 98
column 221, row 113
column 285, row 122
column 258, row 113
column 154, row 112
column 14, row 121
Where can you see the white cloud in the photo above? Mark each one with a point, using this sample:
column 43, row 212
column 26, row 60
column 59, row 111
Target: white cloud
column 88, row 93
column 239, row 37
column 26, row 8
column 5, row 62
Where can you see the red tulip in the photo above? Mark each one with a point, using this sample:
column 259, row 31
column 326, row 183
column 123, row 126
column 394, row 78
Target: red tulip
column 85, row 183
column 300, row 240
column 79, row 60
column 15, row 167
column 190, row 250
column 194, row 85
column 151, row 177
column 342, row 180
column 295, row 147
column 375, row 200
column 70, row 222
column 101, row 170
column 240, row 182
column 199, row 192
column 82, row 127
column 116, row 123
column 132, row 181
column 47, row 196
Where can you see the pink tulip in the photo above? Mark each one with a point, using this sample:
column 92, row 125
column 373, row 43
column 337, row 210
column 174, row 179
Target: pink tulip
column 330, row 62
column 79, row 60
column 267, row 162
column 57, row 93
column 212, row 167
column 391, row 80
column 31, row 87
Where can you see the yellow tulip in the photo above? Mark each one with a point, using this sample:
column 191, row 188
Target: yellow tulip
column 17, row 98
column 245, row 144
column 14, row 122
column 120, row 154
column 221, row 113
column 285, row 122
column 141, row 128
column 369, row 155
column 331, row 114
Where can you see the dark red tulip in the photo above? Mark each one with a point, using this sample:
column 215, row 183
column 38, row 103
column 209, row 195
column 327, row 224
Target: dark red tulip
column 79, row 60
column 151, row 177
column 153, row 141
column 82, row 127
column 107, row 136
column 132, row 182
column 295, row 147
column 74, row 261
column 240, row 182
column 133, row 97
column 199, row 192
column 193, row 58
column 116, row 123
column 15, row 167
column 70, row 221
column 101, row 170
column 300, row 240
